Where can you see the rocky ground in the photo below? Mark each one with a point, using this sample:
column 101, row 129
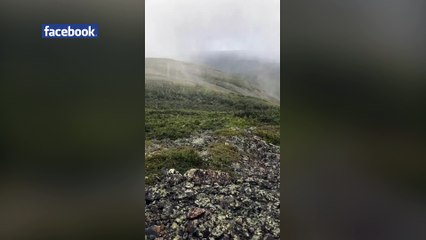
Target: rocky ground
column 242, row 203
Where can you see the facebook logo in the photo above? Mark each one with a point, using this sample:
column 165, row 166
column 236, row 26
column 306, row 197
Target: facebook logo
column 69, row 31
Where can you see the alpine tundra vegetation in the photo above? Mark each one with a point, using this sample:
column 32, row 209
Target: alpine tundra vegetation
column 212, row 155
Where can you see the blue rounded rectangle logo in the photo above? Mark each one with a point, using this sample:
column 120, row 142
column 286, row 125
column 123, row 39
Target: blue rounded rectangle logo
column 69, row 31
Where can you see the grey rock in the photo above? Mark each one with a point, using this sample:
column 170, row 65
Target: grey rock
column 210, row 204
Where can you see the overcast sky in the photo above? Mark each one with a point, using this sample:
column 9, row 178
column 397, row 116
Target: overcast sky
column 181, row 28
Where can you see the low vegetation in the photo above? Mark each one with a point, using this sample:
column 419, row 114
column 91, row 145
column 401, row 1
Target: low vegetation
column 269, row 133
column 174, row 124
column 176, row 109
column 222, row 156
column 181, row 159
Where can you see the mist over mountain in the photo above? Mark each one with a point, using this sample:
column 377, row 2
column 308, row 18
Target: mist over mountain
column 262, row 72
column 178, row 29
column 206, row 77
column 240, row 37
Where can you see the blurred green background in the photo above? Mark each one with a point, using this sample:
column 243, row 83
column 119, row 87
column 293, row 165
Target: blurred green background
column 71, row 121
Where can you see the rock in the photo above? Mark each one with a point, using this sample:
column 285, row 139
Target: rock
column 204, row 153
column 201, row 176
column 198, row 141
column 210, row 204
column 195, row 213
column 172, row 171
column 153, row 231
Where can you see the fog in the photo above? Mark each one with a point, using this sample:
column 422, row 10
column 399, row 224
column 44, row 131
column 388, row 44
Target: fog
column 184, row 28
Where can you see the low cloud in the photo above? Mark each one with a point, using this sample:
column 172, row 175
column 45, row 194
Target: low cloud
column 180, row 29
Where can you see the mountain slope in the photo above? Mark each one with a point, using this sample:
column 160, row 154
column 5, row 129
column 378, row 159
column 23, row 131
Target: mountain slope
column 189, row 74
column 212, row 155
column 263, row 73
column 182, row 99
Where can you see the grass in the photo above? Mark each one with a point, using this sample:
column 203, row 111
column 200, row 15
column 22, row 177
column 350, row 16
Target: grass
column 222, row 156
column 174, row 111
column 174, row 124
column 270, row 134
column 181, row 159
column 185, row 158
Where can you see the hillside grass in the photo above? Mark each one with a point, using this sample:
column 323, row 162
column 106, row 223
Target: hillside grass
column 181, row 159
column 270, row 134
column 177, row 111
column 222, row 156
column 185, row 158
column 174, row 111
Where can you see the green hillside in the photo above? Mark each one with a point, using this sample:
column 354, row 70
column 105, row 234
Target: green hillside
column 212, row 141
column 182, row 99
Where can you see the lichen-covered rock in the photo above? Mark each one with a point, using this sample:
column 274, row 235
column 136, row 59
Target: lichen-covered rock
column 200, row 176
column 195, row 213
column 211, row 204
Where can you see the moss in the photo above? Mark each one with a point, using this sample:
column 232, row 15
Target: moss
column 229, row 132
column 185, row 158
column 148, row 143
column 176, row 123
column 222, row 156
column 270, row 134
column 176, row 111
column 181, row 159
